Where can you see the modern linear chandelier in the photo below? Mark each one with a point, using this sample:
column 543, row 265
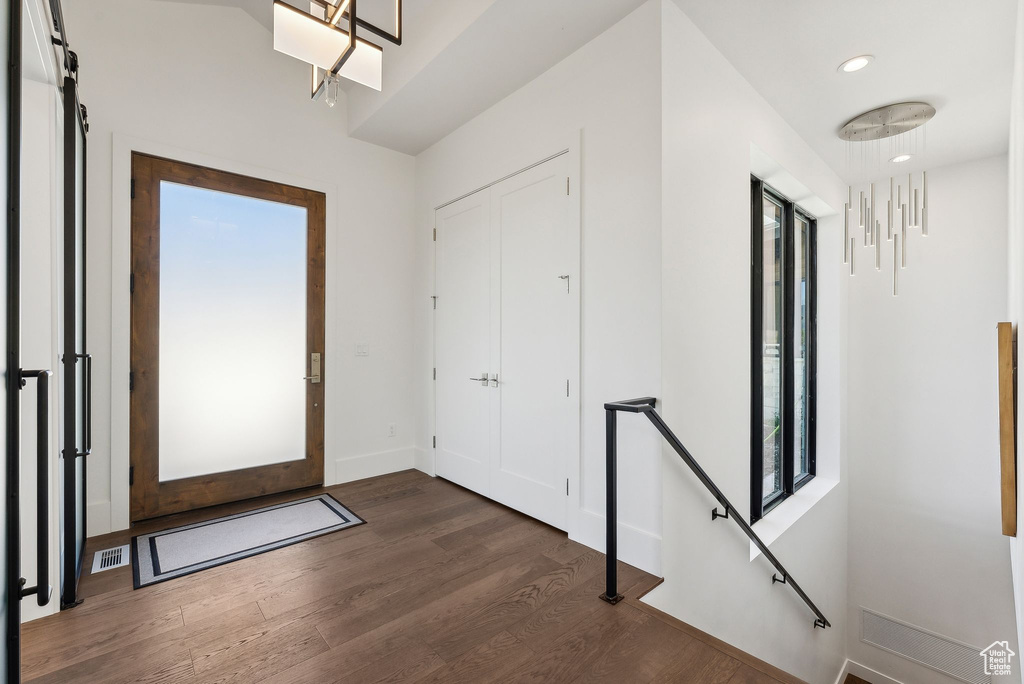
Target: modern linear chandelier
column 326, row 38
column 906, row 208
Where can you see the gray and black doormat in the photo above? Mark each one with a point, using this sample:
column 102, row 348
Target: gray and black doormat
column 180, row 551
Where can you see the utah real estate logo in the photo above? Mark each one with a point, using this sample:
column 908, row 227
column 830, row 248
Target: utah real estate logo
column 997, row 658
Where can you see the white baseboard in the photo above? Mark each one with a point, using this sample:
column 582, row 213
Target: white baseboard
column 371, row 465
column 97, row 519
column 637, row 547
column 865, row 673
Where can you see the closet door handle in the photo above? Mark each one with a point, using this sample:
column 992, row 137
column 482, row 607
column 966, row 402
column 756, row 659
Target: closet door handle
column 483, row 381
column 42, row 590
column 87, row 406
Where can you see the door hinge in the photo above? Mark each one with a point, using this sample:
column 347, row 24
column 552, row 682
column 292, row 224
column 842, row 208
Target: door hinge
column 433, row 298
column 133, row 188
column 566, row 185
column 131, row 283
column 435, row 374
column 435, row 235
column 131, row 381
column 566, row 388
column 435, row 441
column 131, row 475
column 567, row 486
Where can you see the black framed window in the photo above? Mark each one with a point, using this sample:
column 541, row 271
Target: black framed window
column 783, row 324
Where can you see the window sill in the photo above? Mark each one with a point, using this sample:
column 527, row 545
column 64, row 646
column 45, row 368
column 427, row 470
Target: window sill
column 782, row 517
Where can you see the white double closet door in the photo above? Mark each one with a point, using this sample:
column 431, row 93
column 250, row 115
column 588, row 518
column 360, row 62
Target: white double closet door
column 503, row 334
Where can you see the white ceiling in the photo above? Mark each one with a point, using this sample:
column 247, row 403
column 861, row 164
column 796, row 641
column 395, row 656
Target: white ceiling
column 955, row 54
column 458, row 58
column 262, row 12
column 507, row 45
column 462, row 56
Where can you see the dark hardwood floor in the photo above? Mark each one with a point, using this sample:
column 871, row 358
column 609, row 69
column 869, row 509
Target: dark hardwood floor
column 441, row 585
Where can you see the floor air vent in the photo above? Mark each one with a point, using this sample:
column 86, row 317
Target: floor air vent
column 940, row 653
column 108, row 559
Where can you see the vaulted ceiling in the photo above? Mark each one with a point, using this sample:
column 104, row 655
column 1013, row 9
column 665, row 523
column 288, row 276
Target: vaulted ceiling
column 460, row 57
column 955, row 54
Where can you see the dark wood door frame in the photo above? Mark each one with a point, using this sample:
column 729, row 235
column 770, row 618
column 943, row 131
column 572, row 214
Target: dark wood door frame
column 149, row 496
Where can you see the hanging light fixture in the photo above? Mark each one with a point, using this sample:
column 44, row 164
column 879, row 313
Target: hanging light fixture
column 906, row 207
column 326, row 38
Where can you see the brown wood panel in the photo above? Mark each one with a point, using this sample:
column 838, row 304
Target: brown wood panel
column 149, row 496
column 440, row 585
column 1008, row 427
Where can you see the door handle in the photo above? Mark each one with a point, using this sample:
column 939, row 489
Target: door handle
column 314, row 369
column 483, row 381
column 495, row 380
column 87, row 406
column 42, row 590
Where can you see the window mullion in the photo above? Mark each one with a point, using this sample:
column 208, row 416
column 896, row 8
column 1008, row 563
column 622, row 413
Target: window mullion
column 812, row 347
column 787, row 366
column 756, row 345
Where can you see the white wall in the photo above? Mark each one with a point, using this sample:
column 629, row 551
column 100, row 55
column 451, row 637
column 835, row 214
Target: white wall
column 204, row 80
column 925, row 538
column 614, row 96
column 711, row 117
column 1015, row 257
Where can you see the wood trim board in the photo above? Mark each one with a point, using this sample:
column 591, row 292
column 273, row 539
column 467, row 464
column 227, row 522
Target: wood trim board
column 1007, row 427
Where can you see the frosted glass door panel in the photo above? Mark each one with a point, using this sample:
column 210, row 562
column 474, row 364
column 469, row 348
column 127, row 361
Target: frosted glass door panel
column 232, row 332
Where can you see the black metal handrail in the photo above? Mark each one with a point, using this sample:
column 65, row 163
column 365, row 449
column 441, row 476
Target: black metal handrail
column 645, row 406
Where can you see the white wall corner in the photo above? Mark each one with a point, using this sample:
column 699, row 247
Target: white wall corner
column 865, row 673
column 97, row 518
column 639, row 548
column 425, row 461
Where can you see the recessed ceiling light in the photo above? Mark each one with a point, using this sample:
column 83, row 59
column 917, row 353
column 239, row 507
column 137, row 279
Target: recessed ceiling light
column 855, row 63
column 900, row 158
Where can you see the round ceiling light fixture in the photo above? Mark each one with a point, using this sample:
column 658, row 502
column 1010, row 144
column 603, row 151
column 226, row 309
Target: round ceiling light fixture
column 887, row 121
column 855, row 63
column 900, row 158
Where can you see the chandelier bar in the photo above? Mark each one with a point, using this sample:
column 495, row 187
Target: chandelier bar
column 326, row 37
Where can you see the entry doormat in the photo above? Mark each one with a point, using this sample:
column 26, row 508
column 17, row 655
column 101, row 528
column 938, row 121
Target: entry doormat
column 180, row 551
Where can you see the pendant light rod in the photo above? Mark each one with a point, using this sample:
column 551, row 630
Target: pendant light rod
column 906, row 208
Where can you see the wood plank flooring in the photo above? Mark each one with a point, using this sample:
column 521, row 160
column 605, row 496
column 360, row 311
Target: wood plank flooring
column 441, row 585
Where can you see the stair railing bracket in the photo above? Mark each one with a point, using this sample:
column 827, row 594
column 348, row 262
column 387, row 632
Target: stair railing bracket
column 611, row 599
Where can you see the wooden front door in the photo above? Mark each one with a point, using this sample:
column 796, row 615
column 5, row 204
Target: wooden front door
column 227, row 337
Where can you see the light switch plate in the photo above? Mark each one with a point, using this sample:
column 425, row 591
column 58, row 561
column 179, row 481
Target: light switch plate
column 362, row 349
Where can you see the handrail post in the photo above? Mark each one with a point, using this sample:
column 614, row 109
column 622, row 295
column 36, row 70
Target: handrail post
column 611, row 594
